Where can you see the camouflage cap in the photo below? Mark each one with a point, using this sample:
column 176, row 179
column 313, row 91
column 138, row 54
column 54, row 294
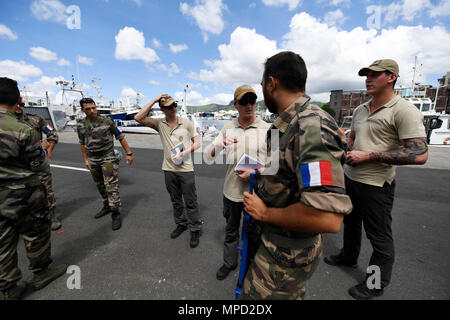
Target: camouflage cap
column 241, row 90
column 380, row 65
column 166, row 101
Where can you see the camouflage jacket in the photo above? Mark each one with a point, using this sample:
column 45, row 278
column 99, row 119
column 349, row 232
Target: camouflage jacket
column 97, row 136
column 310, row 155
column 41, row 126
column 21, row 155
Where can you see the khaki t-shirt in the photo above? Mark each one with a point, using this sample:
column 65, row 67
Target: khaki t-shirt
column 381, row 132
column 183, row 133
column 251, row 141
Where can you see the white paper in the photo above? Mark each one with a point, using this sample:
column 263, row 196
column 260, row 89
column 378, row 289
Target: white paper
column 248, row 163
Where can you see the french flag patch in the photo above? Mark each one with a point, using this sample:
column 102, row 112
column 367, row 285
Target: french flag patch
column 317, row 174
column 48, row 128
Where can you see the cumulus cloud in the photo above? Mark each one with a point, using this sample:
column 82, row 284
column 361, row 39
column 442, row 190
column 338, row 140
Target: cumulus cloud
column 63, row 62
column 241, row 61
column 292, row 4
column 175, row 48
column 171, row 69
column 49, row 10
column 207, row 14
column 18, row 70
column 335, row 18
column 154, row 82
column 6, row 33
column 130, row 45
column 85, row 60
column 440, row 10
column 156, row 43
column 42, row 54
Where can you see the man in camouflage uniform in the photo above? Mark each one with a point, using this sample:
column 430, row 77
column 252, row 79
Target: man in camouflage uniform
column 41, row 126
column 23, row 205
column 305, row 197
column 96, row 134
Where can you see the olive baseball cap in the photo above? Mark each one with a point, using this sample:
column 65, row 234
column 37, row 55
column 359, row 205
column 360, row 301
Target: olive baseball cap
column 241, row 90
column 381, row 65
column 166, row 101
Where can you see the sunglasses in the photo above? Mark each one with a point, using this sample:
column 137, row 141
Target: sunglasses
column 246, row 100
column 173, row 105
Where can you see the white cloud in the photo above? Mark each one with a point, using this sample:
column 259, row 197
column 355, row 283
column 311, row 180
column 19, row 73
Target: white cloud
column 345, row 3
column 335, row 18
column 440, row 10
column 171, row 70
column 354, row 49
column 85, row 60
column 42, row 54
column 156, row 43
column 175, row 48
column 63, row 62
column 207, row 14
column 18, row 70
column 252, row 5
column 241, row 61
column 6, row 33
column 292, row 4
column 138, row 2
column 195, row 98
column 130, row 45
column 154, row 82
column 49, row 10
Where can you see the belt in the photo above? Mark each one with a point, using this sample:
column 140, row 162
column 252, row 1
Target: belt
column 100, row 153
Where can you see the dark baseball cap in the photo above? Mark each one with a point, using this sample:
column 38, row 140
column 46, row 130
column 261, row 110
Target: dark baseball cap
column 381, row 65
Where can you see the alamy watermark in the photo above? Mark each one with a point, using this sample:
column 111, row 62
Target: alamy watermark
column 374, row 280
column 73, row 21
column 74, row 280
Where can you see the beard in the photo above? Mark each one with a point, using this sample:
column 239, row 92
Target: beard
column 270, row 102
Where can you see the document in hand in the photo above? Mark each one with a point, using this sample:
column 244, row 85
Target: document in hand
column 176, row 150
column 247, row 163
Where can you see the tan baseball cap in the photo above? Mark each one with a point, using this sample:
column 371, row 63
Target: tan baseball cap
column 241, row 90
column 380, row 65
column 166, row 101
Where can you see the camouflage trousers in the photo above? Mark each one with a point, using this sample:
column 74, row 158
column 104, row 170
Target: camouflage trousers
column 23, row 211
column 45, row 176
column 269, row 279
column 105, row 172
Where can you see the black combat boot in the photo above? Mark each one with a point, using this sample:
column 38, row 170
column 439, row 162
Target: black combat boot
column 116, row 221
column 43, row 278
column 105, row 210
column 15, row 292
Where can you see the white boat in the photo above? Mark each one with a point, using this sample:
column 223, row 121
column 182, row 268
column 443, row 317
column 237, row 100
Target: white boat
column 437, row 125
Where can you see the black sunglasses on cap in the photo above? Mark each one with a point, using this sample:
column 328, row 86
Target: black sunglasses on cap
column 246, row 100
column 173, row 105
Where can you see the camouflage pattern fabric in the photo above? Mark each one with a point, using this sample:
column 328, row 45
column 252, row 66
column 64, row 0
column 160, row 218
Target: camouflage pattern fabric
column 97, row 136
column 267, row 279
column 23, row 205
column 45, row 176
column 41, row 126
column 105, row 172
column 307, row 134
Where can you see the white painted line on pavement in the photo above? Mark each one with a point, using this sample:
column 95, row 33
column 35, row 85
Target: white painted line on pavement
column 70, row 168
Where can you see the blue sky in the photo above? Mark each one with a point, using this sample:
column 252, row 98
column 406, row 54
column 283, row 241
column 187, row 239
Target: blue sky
column 156, row 47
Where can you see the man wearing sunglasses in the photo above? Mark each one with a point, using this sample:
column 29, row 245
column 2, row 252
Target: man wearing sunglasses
column 246, row 134
column 179, row 140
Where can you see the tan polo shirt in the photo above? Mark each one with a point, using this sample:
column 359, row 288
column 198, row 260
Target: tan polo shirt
column 251, row 141
column 381, row 132
column 183, row 132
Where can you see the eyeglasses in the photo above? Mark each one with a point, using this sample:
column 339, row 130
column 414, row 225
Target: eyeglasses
column 246, row 100
column 173, row 105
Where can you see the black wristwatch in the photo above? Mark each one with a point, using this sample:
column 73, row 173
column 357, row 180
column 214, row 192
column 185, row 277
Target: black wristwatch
column 130, row 154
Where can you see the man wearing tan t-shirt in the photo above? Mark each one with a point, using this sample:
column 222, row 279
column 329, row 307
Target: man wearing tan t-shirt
column 386, row 131
column 179, row 140
column 246, row 134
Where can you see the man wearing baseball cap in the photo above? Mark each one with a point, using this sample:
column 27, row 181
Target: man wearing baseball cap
column 246, row 134
column 386, row 131
column 179, row 140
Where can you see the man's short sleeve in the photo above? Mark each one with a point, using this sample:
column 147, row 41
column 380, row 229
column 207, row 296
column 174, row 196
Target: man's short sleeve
column 319, row 167
column 115, row 129
column 409, row 122
column 80, row 132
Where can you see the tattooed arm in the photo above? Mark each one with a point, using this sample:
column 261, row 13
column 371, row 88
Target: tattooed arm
column 414, row 151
